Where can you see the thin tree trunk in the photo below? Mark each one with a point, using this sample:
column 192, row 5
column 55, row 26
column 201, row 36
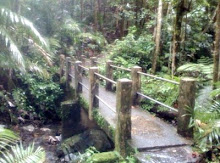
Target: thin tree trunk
column 216, row 73
column 72, row 9
column 96, row 10
column 180, row 11
column 17, row 6
column 123, row 21
column 158, row 35
column 82, row 9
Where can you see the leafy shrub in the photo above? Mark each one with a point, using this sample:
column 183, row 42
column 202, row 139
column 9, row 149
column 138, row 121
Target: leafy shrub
column 207, row 129
column 40, row 96
column 132, row 50
column 162, row 91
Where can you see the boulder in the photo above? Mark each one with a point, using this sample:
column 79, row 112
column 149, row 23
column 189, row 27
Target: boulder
column 79, row 143
column 29, row 128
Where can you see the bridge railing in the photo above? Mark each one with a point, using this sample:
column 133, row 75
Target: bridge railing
column 128, row 93
column 123, row 96
column 186, row 97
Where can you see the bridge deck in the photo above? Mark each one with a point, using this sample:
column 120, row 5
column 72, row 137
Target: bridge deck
column 148, row 132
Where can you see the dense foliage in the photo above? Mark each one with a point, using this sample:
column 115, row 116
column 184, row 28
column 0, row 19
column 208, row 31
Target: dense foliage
column 127, row 32
column 38, row 96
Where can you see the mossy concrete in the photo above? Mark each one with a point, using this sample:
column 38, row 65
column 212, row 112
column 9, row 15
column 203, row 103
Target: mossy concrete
column 70, row 118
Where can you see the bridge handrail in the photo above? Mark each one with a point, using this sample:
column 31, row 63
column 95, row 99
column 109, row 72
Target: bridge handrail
column 99, row 62
column 83, row 85
column 105, row 78
column 83, row 67
column 122, row 68
column 100, row 99
column 158, row 102
column 130, row 90
column 73, row 77
column 159, row 78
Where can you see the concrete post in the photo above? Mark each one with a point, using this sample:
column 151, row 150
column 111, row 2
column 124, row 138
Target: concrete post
column 78, row 77
column 83, row 60
column 123, row 109
column 68, row 72
column 62, row 62
column 136, row 84
column 93, row 90
column 109, row 74
column 186, row 104
column 93, row 61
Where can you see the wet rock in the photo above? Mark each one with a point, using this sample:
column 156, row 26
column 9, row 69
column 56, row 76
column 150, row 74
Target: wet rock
column 47, row 130
column 81, row 142
column 29, row 128
column 72, row 158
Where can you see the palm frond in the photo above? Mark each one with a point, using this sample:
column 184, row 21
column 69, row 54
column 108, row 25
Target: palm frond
column 13, row 49
column 7, row 138
column 34, row 67
column 6, row 61
column 17, row 19
column 20, row 155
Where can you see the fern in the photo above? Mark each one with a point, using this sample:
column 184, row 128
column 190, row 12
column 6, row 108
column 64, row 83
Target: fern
column 7, row 137
column 207, row 126
column 201, row 69
column 20, row 155
column 16, row 153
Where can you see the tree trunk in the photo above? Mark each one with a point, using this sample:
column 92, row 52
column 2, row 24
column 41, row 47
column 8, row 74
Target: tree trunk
column 216, row 73
column 72, row 9
column 158, row 35
column 16, row 6
column 123, row 21
column 181, row 9
column 96, row 10
column 82, row 9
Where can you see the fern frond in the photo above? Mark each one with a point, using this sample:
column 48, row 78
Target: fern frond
column 203, row 69
column 20, row 155
column 215, row 108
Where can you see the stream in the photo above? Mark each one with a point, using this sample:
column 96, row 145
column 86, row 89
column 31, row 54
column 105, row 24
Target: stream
column 86, row 132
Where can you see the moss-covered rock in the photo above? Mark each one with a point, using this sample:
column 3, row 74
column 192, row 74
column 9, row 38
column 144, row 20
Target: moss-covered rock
column 105, row 157
column 80, row 142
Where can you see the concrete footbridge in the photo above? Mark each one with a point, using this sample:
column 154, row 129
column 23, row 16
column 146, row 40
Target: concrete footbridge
column 115, row 107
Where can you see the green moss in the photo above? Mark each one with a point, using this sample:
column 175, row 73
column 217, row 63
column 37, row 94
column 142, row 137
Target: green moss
column 67, row 102
column 105, row 157
column 103, row 124
column 84, row 103
column 63, row 80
